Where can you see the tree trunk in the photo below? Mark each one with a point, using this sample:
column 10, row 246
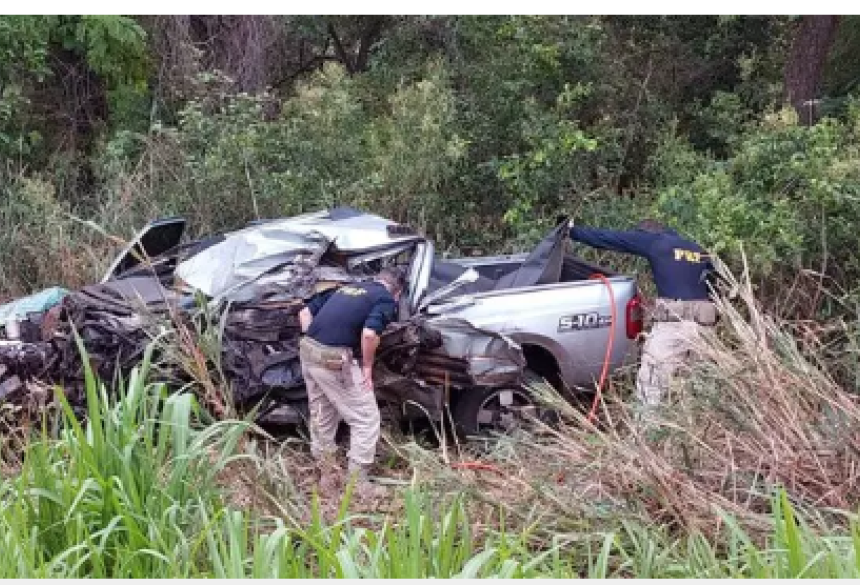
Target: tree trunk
column 244, row 40
column 812, row 43
column 339, row 49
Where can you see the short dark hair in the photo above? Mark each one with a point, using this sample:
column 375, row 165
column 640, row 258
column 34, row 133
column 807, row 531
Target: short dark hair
column 651, row 225
column 393, row 276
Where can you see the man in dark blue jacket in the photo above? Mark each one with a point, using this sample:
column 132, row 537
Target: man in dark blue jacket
column 681, row 268
column 337, row 354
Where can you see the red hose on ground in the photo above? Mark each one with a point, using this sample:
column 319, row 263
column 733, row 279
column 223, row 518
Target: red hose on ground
column 609, row 346
column 477, row 465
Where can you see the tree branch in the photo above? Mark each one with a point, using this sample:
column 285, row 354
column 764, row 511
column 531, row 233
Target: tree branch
column 369, row 36
column 339, row 50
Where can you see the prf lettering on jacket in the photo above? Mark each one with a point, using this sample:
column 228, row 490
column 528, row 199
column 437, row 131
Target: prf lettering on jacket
column 688, row 256
column 353, row 291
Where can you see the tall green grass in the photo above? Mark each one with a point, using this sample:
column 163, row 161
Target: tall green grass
column 133, row 492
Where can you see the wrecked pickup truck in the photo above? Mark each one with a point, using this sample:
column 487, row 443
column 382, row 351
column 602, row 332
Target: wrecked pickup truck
column 468, row 330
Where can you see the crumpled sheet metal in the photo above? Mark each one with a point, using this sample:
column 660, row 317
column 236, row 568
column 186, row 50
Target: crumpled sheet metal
column 22, row 362
column 249, row 254
column 493, row 359
column 350, row 230
column 261, row 285
column 401, row 347
column 115, row 321
column 243, row 258
column 296, row 279
column 417, row 358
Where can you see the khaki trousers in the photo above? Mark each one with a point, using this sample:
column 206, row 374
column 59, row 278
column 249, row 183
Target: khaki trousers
column 670, row 345
column 334, row 385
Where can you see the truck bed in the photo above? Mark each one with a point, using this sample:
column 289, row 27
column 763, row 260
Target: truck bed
column 494, row 267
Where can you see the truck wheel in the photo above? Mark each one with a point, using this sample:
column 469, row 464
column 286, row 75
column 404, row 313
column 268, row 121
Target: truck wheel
column 483, row 411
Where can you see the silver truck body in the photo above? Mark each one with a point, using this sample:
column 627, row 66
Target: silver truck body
column 569, row 320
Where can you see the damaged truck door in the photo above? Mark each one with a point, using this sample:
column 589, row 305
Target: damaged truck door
column 158, row 240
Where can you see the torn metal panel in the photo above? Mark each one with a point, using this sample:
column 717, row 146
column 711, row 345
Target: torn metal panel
column 353, row 231
column 542, row 266
column 256, row 279
column 158, row 238
column 411, row 394
column 10, row 387
column 247, row 255
column 493, row 358
column 24, row 361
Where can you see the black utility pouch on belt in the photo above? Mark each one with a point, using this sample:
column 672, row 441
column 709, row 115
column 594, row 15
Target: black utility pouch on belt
column 331, row 358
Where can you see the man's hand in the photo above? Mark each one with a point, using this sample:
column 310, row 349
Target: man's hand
column 367, row 382
column 305, row 319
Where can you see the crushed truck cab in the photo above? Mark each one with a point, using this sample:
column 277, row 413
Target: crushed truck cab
column 467, row 333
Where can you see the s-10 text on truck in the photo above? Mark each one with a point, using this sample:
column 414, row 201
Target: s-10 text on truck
column 468, row 329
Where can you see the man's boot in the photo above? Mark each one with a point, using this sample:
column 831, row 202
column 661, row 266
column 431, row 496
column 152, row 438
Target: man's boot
column 331, row 476
column 363, row 490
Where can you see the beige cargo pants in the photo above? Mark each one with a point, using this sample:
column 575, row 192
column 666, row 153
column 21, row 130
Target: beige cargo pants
column 670, row 345
column 334, row 384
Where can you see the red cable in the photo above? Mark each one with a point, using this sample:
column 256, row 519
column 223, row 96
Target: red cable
column 609, row 345
column 477, row 465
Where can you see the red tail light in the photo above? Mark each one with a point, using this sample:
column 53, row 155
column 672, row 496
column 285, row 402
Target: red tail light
column 635, row 318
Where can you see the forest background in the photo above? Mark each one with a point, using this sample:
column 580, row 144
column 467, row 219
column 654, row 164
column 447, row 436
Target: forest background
column 740, row 131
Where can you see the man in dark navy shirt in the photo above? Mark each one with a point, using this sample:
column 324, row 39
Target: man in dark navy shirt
column 343, row 328
column 681, row 270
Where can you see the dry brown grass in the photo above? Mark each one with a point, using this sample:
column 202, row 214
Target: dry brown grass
column 757, row 410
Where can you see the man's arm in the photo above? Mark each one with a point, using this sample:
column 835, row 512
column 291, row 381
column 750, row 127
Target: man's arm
column 369, row 343
column 380, row 316
column 629, row 242
column 312, row 307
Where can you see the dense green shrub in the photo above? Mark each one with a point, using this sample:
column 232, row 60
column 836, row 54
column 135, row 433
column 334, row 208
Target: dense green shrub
column 47, row 241
column 323, row 147
column 788, row 194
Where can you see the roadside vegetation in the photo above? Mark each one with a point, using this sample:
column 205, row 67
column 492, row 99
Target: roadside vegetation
column 751, row 473
column 478, row 131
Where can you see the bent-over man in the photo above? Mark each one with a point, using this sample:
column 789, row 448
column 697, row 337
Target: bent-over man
column 680, row 268
column 343, row 328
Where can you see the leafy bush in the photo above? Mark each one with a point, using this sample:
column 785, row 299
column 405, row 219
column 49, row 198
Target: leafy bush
column 24, row 53
column 46, row 241
column 64, row 50
column 323, row 148
column 538, row 179
column 40, row 242
column 789, row 194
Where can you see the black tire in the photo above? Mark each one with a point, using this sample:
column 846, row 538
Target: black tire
column 485, row 411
